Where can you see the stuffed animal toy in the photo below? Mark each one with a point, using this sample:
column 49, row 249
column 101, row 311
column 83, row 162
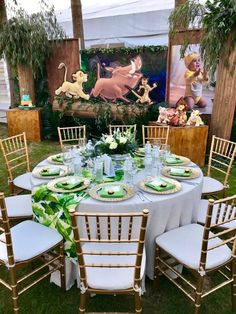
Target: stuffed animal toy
column 195, row 119
column 163, row 117
column 181, row 108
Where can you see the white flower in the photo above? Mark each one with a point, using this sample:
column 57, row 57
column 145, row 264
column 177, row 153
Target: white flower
column 109, row 139
column 123, row 140
column 113, row 145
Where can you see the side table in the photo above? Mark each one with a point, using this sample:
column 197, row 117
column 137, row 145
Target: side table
column 28, row 121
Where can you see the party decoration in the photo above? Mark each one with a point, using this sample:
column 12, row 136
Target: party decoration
column 195, row 119
column 117, row 86
column 181, row 108
column 73, row 89
column 146, row 89
column 194, row 78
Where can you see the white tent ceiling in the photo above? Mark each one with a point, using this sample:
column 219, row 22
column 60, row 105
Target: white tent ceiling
column 132, row 22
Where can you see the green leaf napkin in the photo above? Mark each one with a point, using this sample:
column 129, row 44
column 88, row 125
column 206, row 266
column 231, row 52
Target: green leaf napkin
column 160, row 185
column 112, row 191
column 173, row 160
column 57, row 158
column 69, row 184
column 179, row 172
column 50, row 172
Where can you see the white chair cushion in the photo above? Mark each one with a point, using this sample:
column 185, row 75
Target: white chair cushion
column 185, row 243
column 24, row 181
column 29, row 239
column 112, row 278
column 203, row 206
column 19, row 206
column 211, row 185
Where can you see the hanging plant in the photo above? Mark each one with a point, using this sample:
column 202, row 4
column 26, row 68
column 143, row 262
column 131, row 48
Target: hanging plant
column 217, row 19
column 24, row 39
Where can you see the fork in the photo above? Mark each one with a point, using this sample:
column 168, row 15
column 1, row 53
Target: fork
column 140, row 196
column 145, row 196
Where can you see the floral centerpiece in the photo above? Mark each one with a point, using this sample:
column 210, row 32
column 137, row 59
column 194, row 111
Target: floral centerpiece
column 117, row 143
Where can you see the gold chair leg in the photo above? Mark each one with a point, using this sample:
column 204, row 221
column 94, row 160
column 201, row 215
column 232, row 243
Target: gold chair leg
column 156, row 265
column 138, row 305
column 233, row 285
column 198, row 295
column 14, row 290
column 62, row 269
column 82, row 303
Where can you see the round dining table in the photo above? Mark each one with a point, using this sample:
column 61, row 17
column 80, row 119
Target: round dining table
column 166, row 212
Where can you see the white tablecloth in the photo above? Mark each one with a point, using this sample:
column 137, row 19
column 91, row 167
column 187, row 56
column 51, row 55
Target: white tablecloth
column 166, row 212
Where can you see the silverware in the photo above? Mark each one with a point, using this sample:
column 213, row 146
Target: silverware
column 145, row 196
column 140, row 196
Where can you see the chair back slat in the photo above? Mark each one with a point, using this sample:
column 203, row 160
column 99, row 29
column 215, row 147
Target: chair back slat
column 116, row 229
column 5, row 228
column 123, row 128
column 225, row 214
column 15, row 153
column 221, row 158
column 72, row 135
column 152, row 133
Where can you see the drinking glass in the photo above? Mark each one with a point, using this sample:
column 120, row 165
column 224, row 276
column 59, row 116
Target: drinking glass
column 156, row 142
column 67, row 159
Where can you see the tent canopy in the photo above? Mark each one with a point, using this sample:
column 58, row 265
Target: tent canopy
column 127, row 22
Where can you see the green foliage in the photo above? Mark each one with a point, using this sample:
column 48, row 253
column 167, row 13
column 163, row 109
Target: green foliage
column 218, row 21
column 24, row 38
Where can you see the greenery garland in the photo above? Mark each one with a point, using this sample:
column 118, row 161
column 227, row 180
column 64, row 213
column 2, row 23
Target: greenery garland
column 123, row 50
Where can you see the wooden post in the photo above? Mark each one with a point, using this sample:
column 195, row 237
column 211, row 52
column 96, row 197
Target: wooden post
column 225, row 100
column 26, row 81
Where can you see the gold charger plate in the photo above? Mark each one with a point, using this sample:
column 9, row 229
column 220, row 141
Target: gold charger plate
column 52, row 184
column 185, row 161
column 37, row 172
column 194, row 173
column 49, row 159
column 128, row 189
column 145, row 188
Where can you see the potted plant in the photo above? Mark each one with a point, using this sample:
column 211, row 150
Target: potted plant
column 24, row 41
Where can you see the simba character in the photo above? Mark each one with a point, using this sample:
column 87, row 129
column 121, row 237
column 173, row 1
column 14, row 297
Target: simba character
column 146, row 89
column 195, row 119
column 73, row 89
column 194, row 78
column 117, row 86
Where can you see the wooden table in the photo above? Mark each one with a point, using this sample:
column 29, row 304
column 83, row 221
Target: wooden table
column 28, row 121
column 188, row 141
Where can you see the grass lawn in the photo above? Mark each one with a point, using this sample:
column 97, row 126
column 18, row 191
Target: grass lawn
column 46, row 298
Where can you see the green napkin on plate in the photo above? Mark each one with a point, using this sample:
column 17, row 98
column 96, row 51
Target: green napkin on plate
column 69, row 184
column 112, row 191
column 173, row 160
column 160, row 185
column 57, row 158
column 179, row 172
column 50, row 172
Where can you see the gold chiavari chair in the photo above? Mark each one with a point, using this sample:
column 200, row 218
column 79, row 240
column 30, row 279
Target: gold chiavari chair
column 221, row 158
column 203, row 251
column 152, row 133
column 72, row 135
column 110, row 251
column 16, row 157
column 26, row 242
column 123, row 128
